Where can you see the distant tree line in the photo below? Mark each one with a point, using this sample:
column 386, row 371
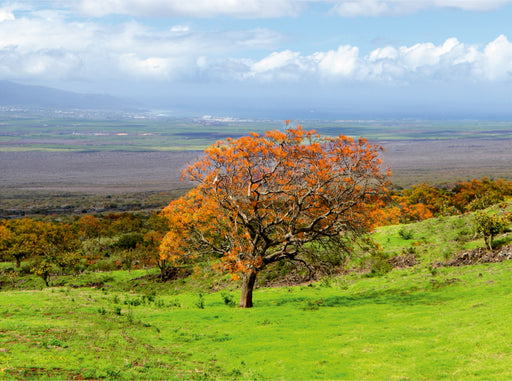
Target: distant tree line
column 113, row 241
column 425, row 201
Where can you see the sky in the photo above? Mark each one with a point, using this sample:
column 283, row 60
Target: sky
column 270, row 58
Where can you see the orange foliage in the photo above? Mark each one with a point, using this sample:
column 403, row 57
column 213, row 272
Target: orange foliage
column 478, row 194
column 260, row 199
column 424, row 201
column 90, row 226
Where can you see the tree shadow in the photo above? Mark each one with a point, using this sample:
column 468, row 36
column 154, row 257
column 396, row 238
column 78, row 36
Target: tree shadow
column 428, row 295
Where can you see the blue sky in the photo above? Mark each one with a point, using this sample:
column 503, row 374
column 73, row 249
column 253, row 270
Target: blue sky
column 282, row 58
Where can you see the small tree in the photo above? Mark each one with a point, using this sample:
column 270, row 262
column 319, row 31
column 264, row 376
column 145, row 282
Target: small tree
column 263, row 199
column 43, row 269
column 21, row 239
column 90, row 227
column 151, row 252
column 489, row 226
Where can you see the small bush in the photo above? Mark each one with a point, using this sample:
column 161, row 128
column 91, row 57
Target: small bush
column 326, row 282
column 200, row 301
column 406, row 234
column 53, row 342
column 25, row 269
column 129, row 241
column 228, row 299
column 313, row 305
column 174, row 303
column 379, row 264
column 133, row 302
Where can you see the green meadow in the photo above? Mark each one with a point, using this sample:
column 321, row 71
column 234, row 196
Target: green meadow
column 173, row 134
column 421, row 323
column 407, row 324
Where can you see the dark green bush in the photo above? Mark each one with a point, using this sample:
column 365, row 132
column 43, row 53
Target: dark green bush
column 405, row 233
column 129, row 241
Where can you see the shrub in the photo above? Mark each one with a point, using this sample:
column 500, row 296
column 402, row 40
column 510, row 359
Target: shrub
column 489, row 225
column 379, row 264
column 200, row 301
column 406, row 233
column 43, row 269
column 129, row 241
column 228, row 298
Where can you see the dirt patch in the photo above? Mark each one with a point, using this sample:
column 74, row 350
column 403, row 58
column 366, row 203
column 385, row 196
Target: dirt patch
column 403, row 261
column 446, row 161
column 481, row 255
column 94, row 172
column 98, row 285
column 412, row 162
column 171, row 273
column 290, row 280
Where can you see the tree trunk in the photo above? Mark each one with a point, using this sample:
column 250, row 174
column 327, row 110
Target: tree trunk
column 248, row 282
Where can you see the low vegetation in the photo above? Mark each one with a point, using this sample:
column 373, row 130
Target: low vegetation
column 71, row 245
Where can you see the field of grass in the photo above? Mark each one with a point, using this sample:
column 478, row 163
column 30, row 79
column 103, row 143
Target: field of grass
column 168, row 134
column 431, row 240
column 408, row 324
column 419, row 323
column 132, row 135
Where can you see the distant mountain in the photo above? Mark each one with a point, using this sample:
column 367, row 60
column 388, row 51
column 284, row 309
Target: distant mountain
column 12, row 94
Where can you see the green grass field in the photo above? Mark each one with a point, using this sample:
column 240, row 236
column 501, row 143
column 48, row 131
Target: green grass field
column 408, row 324
column 164, row 134
column 420, row 323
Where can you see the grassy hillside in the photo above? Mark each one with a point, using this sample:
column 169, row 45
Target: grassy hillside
column 408, row 324
column 438, row 239
column 424, row 322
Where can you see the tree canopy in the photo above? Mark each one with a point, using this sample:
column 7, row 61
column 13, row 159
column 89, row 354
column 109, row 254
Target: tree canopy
column 263, row 199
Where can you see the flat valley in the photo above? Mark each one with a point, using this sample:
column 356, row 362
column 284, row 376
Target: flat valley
column 120, row 160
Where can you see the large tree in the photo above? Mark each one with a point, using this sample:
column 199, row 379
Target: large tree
column 263, row 199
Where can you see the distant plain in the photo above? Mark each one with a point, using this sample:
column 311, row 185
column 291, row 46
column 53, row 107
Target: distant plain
column 107, row 157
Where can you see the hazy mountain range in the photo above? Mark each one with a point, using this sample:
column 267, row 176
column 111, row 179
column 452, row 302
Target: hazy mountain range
column 14, row 94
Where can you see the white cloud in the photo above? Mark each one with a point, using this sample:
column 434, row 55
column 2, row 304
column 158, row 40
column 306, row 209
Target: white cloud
column 6, row 15
column 47, row 45
column 379, row 54
column 265, row 8
column 452, row 61
column 180, row 29
column 341, row 62
column 196, row 8
column 497, row 59
column 363, row 7
column 156, row 67
column 285, row 65
column 355, row 8
column 474, row 5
